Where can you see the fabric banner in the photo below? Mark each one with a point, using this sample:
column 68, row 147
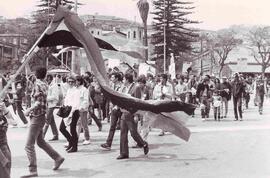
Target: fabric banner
column 162, row 109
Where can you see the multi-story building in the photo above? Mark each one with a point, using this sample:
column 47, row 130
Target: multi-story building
column 12, row 49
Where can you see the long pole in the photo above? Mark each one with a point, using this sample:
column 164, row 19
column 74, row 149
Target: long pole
column 164, row 32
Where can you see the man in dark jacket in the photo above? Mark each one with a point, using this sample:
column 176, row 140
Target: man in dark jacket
column 204, row 95
column 237, row 93
column 260, row 91
column 127, row 120
column 225, row 93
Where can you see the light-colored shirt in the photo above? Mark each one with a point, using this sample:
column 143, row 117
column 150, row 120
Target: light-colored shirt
column 160, row 90
column 53, row 95
column 180, row 88
column 72, row 99
column 84, row 98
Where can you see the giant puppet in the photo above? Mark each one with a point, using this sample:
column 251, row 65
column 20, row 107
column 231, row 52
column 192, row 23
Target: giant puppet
column 167, row 115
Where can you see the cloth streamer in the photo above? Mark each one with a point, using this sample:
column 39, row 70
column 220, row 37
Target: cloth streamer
column 168, row 115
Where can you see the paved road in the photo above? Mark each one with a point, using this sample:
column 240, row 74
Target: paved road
column 229, row 149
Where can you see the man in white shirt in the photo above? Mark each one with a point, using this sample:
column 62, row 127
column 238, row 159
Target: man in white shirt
column 163, row 91
column 52, row 101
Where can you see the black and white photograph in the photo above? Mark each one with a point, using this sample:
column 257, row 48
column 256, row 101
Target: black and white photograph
column 135, row 88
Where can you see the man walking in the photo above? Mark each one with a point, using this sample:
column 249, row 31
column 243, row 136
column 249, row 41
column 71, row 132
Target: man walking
column 127, row 121
column 37, row 119
column 260, row 92
column 52, row 101
column 237, row 93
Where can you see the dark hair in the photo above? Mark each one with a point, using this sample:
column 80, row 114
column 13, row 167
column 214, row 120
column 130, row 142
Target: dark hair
column 165, row 76
column 217, row 80
column 64, row 79
column 80, row 79
column 49, row 76
column 88, row 73
column 129, row 77
column 141, row 79
column 41, row 73
column 117, row 75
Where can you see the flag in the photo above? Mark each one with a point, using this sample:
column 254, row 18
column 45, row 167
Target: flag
column 162, row 109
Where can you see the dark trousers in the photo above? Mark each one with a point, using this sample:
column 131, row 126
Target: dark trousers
column 19, row 110
column 71, row 137
column 237, row 105
column 247, row 99
column 36, row 135
column 50, row 122
column 93, row 116
column 5, row 162
column 128, row 124
column 260, row 99
column 115, row 116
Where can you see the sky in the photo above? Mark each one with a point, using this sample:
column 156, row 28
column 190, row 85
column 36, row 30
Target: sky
column 213, row 14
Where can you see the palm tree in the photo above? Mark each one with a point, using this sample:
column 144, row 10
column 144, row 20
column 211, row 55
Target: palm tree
column 143, row 7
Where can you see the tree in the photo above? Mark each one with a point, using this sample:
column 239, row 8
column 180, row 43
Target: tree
column 143, row 7
column 172, row 14
column 220, row 45
column 259, row 44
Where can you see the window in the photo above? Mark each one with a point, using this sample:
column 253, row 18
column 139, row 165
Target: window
column 8, row 52
column 134, row 34
column 92, row 32
column 128, row 34
column 98, row 32
column 15, row 41
column 140, row 35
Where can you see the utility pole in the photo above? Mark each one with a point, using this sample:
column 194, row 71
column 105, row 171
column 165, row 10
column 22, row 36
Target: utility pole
column 164, row 29
column 201, row 58
column 75, row 59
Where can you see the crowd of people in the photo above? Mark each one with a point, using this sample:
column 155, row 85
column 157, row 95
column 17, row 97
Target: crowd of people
column 37, row 97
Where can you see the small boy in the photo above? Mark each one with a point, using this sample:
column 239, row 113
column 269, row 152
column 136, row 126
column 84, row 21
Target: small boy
column 216, row 101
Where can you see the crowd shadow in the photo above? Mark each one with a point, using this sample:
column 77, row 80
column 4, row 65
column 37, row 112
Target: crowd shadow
column 81, row 173
column 165, row 157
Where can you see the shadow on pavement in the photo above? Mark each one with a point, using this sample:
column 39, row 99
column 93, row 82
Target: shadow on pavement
column 83, row 173
column 156, row 146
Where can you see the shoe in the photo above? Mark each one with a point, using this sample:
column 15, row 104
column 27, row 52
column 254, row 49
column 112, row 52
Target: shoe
column 66, row 144
column 86, row 142
column 203, row 119
column 58, row 163
column 135, row 146
column 235, row 119
column 72, row 150
column 31, row 174
column 122, row 157
column 54, row 138
column 161, row 133
column 241, row 119
column 105, row 146
column 145, row 148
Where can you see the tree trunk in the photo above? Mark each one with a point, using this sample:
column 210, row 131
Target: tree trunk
column 220, row 70
column 263, row 71
column 145, row 41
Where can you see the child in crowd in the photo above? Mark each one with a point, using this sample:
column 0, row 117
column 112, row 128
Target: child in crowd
column 216, row 101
